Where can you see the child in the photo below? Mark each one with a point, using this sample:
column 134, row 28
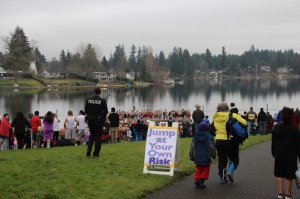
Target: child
column 202, row 159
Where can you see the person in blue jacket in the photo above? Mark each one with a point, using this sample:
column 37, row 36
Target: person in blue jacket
column 202, row 139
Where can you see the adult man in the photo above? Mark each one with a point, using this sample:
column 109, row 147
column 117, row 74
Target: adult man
column 114, row 120
column 36, row 133
column 197, row 116
column 261, row 120
column 96, row 110
column 251, row 118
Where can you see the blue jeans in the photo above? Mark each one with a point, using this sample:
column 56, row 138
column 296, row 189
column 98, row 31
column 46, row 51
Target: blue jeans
column 249, row 127
column 5, row 144
column 138, row 136
column 261, row 127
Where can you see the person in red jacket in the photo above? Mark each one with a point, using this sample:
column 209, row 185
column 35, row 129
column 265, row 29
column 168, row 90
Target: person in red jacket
column 5, row 132
column 35, row 123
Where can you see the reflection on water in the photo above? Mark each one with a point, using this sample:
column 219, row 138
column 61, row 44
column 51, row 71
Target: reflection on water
column 269, row 94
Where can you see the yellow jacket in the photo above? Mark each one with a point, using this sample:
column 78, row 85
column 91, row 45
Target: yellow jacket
column 220, row 119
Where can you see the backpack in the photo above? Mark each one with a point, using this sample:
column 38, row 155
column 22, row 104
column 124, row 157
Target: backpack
column 236, row 130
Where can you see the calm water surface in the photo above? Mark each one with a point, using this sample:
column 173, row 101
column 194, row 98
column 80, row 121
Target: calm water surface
column 271, row 95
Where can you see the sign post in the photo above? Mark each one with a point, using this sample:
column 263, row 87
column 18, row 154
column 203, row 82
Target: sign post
column 162, row 154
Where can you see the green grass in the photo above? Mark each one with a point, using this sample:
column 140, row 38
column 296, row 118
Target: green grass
column 22, row 83
column 62, row 81
column 65, row 172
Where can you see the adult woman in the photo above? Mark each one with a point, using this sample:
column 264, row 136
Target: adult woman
column 226, row 148
column 48, row 129
column 285, row 150
column 20, row 123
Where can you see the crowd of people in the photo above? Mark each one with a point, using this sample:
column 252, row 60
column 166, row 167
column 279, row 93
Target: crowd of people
column 96, row 125
column 285, row 149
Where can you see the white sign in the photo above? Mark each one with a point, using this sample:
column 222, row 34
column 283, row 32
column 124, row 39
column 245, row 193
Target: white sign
column 160, row 150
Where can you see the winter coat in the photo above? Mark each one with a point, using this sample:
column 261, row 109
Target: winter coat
column 5, row 128
column 220, row 120
column 19, row 124
column 202, row 153
column 285, row 141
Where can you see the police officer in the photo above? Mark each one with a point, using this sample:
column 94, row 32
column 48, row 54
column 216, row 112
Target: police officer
column 96, row 110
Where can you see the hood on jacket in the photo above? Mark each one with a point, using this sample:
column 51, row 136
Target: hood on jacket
column 201, row 136
column 221, row 117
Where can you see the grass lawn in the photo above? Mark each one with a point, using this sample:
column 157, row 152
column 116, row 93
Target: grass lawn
column 65, row 172
column 22, row 83
column 62, row 81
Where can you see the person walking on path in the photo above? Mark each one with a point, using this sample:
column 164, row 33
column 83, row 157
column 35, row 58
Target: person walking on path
column 114, row 120
column 285, row 150
column 202, row 158
column 226, row 148
column 96, row 110
column 20, row 123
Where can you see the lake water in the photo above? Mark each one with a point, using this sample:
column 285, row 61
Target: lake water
column 271, row 95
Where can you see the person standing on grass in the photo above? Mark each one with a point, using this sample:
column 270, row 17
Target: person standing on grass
column 82, row 126
column 96, row 110
column 70, row 126
column 35, row 124
column 55, row 128
column 48, row 129
column 5, row 132
column 197, row 116
column 285, row 150
column 20, row 123
column 114, row 120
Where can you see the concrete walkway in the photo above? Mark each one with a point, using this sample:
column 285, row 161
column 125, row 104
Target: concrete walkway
column 254, row 178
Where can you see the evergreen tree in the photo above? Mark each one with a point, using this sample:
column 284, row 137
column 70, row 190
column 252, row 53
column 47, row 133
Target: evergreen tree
column 104, row 64
column 224, row 62
column 19, row 52
column 161, row 59
column 132, row 58
column 62, row 57
column 208, row 58
column 90, row 62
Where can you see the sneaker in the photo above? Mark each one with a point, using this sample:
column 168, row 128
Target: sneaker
column 224, row 180
column 223, row 177
column 280, row 196
column 297, row 183
column 289, row 196
column 230, row 177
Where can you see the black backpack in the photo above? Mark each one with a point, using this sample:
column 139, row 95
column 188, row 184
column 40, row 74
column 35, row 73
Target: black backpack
column 236, row 131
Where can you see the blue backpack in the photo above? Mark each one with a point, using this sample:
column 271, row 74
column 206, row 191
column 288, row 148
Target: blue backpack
column 235, row 130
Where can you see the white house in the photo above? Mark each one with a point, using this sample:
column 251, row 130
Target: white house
column 104, row 76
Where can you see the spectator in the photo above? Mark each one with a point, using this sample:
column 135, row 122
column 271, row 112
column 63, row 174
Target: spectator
column 261, row 119
column 197, row 116
column 48, row 129
column 5, row 132
column 285, row 150
column 233, row 109
column 70, row 126
column 251, row 119
column 114, row 121
column 37, row 134
column 82, row 126
column 19, row 123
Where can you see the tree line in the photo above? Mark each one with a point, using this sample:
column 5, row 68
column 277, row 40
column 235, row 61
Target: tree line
column 141, row 61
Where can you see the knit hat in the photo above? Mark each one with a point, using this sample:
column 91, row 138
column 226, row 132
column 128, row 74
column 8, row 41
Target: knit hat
column 203, row 126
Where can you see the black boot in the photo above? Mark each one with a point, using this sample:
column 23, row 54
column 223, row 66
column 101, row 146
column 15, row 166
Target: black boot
column 197, row 183
column 201, row 184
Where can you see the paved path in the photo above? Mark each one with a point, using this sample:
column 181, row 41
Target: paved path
column 253, row 179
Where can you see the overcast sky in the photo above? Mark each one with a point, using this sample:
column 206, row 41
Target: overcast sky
column 161, row 24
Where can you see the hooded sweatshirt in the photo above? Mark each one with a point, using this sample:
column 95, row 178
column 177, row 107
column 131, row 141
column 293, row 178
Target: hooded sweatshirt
column 202, row 140
column 285, row 141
